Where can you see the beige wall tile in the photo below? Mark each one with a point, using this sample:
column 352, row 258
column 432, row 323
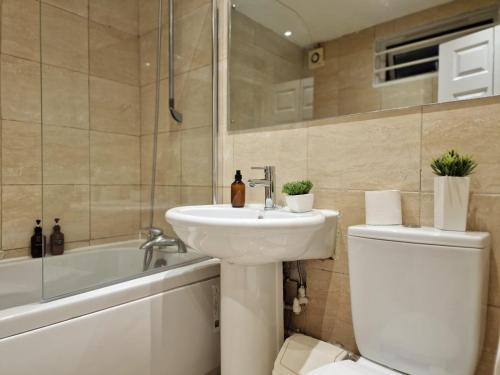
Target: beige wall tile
column 203, row 52
column 71, row 204
column 196, row 151
column 226, row 195
column 148, row 97
column 358, row 100
column 21, row 206
column 114, row 54
column 148, row 56
column 80, row 7
column 410, row 205
column 148, row 15
column 168, row 167
column 21, row 28
column 340, row 159
column 65, row 155
column 20, row 89
column 114, row 107
column 190, row 41
column 463, row 127
column 64, row 39
column 21, row 153
column 326, row 89
column 114, row 211
column 184, row 7
column 65, row 97
column 195, row 99
column 114, row 159
column 285, row 149
column 226, row 165
column 17, row 253
column 120, row 14
column 147, row 20
column 427, row 209
column 193, row 195
column 166, row 197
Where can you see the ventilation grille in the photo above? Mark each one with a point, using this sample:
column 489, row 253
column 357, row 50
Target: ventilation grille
column 416, row 55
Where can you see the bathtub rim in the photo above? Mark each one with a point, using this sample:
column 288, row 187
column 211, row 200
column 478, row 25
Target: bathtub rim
column 21, row 319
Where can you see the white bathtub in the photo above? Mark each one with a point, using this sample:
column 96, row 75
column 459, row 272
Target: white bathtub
column 164, row 322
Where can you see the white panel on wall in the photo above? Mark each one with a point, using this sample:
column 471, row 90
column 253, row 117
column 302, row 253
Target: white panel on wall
column 466, row 67
column 496, row 68
column 307, row 88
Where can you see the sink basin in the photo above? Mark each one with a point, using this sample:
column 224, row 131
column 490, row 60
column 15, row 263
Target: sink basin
column 252, row 243
column 252, row 235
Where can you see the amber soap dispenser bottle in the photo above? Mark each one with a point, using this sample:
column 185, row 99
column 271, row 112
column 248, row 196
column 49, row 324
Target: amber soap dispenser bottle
column 38, row 241
column 57, row 239
column 238, row 191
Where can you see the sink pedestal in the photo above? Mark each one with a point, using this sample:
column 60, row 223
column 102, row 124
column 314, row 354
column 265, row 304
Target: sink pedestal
column 251, row 317
column 252, row 243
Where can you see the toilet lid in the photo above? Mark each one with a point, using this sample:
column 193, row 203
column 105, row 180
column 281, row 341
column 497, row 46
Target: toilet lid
column 348, row 367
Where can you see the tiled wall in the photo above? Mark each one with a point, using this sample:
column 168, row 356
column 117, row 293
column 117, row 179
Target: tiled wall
column 344, row 156
column 184, row 164
column 70, row 114
column 77, row 100
column 260, row 58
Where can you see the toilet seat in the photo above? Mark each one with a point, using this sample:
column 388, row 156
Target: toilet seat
column 348, row 367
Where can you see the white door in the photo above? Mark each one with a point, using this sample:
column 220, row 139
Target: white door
column 307, row 98
column 466, row 67
column 286, row 102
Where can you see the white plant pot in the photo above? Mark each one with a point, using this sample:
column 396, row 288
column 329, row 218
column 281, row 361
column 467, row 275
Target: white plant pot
column 300, row 203
column 451, row 202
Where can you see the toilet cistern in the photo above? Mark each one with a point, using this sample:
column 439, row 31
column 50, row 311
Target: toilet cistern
column 269, row 183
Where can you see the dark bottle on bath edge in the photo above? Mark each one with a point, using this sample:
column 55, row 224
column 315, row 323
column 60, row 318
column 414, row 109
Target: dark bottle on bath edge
column 57, row 239
column 238, row 191
column 38, row 241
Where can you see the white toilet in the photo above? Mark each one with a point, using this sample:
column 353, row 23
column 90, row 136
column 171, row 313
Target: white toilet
column 418, row 301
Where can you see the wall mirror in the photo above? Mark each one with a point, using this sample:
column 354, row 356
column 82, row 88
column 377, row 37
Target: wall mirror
column 295, row 60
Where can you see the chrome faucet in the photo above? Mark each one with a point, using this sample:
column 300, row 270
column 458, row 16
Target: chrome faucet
column 269, row 183
column 156, row 238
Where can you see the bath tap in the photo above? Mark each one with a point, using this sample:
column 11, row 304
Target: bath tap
column 156, row 238
column 269, row 182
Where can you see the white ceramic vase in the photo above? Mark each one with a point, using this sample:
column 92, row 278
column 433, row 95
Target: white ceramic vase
column 451, row 202
column 300, row 203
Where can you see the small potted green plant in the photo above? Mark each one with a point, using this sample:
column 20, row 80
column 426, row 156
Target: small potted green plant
column 451, row 190
column 298, row 196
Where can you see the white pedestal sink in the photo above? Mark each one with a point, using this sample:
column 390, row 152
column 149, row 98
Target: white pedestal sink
column 252, row 244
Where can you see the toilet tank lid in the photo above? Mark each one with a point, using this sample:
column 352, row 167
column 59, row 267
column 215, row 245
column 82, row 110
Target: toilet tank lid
column 421, row 235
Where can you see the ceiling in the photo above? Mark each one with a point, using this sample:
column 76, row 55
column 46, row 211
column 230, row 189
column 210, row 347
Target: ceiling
column 313, row 21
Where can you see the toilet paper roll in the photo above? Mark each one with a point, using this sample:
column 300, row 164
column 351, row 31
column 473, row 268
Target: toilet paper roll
column 383, row 207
